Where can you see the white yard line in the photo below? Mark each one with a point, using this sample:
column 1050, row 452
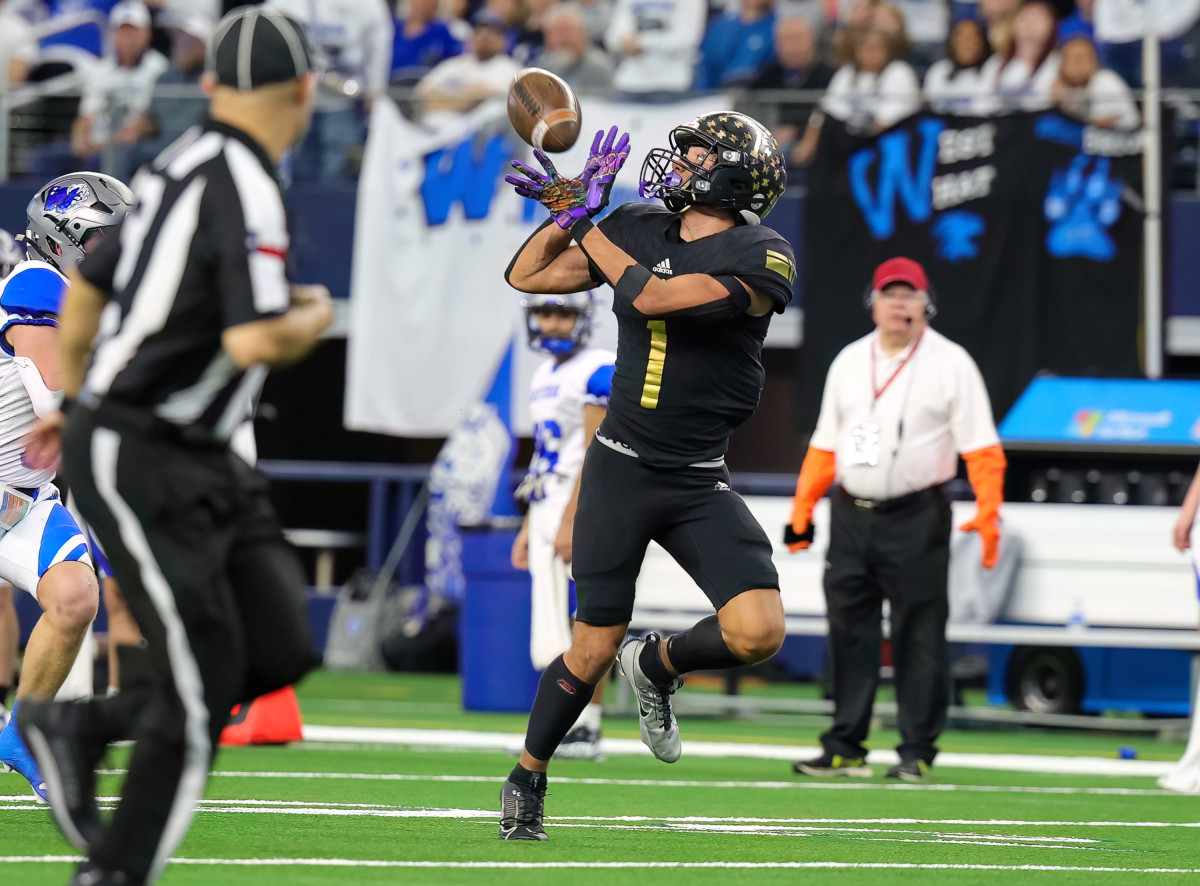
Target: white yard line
column 442, row 739
column 617, row 865
column 320, row 808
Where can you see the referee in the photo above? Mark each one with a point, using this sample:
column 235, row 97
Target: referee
column 898, row 407
column 197, row 306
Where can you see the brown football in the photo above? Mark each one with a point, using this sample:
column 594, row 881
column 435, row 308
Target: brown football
column 544, row 110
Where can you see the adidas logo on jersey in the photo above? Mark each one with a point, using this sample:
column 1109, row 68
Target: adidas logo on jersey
column 663, row 267
column 721, row 486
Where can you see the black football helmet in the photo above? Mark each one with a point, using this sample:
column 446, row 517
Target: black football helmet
column 748, row 175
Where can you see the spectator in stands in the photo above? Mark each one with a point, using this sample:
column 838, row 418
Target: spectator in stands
column 655, row 44
column 737, row 46
column 457, row 14
column 927, row 23
column 796, row 66
column 597, row 14
column 852, row 20
column 876, row 91
column 512, row 15
column 997, row 16
column 178, row 102
column 118, row 89
column 1080, row 22
column 1029, row 63
column 1094, row 94
column 569, row 53
column 888, row 17
column 421, row 41
column 355, row 43
column 460, row 83
column 79, row 27
column 18, row 48
column 965, row 81
column 531, row 29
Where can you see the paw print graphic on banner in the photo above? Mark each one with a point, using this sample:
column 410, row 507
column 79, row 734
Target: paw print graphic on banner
column 1081, row 205
column 957, row 234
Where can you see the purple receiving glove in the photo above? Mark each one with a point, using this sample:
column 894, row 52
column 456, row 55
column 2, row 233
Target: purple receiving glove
column 603, row 164
column 569, row 200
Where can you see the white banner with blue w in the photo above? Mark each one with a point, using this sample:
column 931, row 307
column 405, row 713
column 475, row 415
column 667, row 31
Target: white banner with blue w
column 431, row 317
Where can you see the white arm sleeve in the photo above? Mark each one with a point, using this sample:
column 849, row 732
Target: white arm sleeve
column 43, row 399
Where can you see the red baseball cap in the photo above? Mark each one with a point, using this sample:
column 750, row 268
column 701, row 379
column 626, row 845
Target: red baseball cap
column 900, row 270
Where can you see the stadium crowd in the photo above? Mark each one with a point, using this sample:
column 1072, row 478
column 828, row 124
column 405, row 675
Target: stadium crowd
column 136, row 63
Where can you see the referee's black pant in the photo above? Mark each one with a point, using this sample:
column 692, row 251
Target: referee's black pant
column 218, row 594
column 898, row 550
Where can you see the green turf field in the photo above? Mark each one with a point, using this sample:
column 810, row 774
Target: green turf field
column 426, row 812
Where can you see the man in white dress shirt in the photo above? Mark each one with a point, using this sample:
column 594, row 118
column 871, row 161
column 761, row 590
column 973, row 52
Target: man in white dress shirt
column 899, row 406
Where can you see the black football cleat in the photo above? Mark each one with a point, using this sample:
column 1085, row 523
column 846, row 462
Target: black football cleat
column 521, row 812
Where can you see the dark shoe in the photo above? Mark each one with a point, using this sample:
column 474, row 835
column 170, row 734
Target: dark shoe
column 831, row 765
column 68, row 756
column 581, row 743
column 88, row 874
column 910, row 770
column 521, row 812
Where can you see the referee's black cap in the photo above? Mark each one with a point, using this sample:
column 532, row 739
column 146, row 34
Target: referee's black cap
column 254, row 47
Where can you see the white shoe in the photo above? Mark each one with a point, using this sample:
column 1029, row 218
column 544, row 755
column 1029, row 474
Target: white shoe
column 660, row 731
column 581, row 743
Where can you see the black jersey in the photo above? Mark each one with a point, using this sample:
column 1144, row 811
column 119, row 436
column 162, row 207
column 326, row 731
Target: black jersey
column 682, row 384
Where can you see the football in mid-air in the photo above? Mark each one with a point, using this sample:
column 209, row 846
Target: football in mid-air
column 544, row 110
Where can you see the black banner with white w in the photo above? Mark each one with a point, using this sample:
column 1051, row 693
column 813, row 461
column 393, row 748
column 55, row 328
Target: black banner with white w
column 1029, row 227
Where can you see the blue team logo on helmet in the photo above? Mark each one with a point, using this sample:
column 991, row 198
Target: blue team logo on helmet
column 60, row 198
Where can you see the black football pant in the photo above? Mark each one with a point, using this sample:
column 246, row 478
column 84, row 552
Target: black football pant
column 899, row 551
column 218, row 594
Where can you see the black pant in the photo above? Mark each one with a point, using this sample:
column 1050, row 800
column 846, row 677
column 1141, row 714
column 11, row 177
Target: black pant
column 218, row 594
column 692, row 512
column 899, row 553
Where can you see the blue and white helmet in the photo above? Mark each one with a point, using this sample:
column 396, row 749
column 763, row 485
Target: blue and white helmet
column 11, row 253
column 71, row 212
column 579, row 303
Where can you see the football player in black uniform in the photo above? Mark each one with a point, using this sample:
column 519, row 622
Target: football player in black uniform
column 695, row 284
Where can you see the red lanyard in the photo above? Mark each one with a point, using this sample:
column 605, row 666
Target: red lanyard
column 892, row 377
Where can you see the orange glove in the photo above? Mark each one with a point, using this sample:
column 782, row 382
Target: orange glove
column 985, row 470
column 816, row 476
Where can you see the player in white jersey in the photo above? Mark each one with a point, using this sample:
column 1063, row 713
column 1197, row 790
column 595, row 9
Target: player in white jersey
column 11, row 254
column 42, row 549
column 567, row 400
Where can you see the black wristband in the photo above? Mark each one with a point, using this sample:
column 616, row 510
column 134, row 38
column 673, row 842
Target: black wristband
column 633, row 281
column 580, row 228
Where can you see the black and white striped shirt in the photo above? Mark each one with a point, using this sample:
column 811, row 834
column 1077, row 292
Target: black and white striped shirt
column 205, row 250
